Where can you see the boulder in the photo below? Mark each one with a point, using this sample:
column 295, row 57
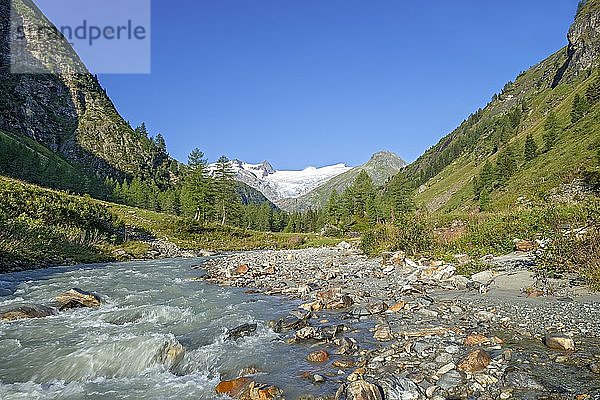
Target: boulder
column 241, row 331
column 77, row 298
column 172, row 354
column 242, row 269
column 233, row 388
column 359, row 390
column 476, row 361
column 246, row 389
column 559, row 341
column 397, row 307
column 319, row 357
column 383, row 333
column 28, row 312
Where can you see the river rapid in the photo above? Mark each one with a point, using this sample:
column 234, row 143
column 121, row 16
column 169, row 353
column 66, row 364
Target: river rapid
column 115, row 351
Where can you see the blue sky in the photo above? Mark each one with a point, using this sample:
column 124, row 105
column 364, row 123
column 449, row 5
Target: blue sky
column 316, row 82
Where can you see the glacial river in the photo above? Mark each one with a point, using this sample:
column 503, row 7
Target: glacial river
column 115, row 351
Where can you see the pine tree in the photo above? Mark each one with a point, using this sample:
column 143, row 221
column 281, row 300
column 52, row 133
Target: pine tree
column 196, row 189
column 226, row 199
column 579, row 109
column 506, row 165
column 592, row 93
column 531, row 149
column 552, row 130
column 485, row 180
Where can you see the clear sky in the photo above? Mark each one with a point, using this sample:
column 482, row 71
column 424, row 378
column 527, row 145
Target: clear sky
column 317, row 82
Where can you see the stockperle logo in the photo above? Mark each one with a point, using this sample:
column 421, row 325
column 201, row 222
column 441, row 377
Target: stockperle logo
column 102, row 36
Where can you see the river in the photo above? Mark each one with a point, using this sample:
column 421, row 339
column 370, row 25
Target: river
column 115, row 351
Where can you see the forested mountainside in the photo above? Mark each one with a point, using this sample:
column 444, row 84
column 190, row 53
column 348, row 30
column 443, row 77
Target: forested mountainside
column 539, row 134
column 69, row 112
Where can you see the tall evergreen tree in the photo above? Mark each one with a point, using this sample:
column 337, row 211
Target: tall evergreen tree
column 226, row 199
column 531, row 148
column 196, row 188
column 552, row 130
column 580, row 108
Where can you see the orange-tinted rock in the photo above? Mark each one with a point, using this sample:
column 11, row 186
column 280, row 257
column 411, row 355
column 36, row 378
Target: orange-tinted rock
column 343, row 364
column 233, row 388
column 476, row 361
column 26, row 312
column 320, row 356
column 475, row 340
column 257, row 391
column 525, row 245
column 397, row 307
column 242, row 269
column 559, row 342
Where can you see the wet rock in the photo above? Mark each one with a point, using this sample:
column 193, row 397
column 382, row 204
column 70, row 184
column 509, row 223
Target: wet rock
column 346, row 345
column 558, row 341
column 475, row 361
column 246, row 389
column 319, row 357
column 334, row 299
column 359, row 390
column 343, row 364
column 233, row 388
column 248, row 371
column 172, row 354
column 241, row 331
column 313, row 306
column 28, row 312
column 77, row 298
column 306, row 333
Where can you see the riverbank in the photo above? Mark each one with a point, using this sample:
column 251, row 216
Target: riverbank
column 427, row 332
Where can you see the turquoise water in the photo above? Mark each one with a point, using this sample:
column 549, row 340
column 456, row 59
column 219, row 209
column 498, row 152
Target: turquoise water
column 115, row 351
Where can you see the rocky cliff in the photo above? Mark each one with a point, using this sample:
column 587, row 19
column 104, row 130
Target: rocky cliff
column 66, row 110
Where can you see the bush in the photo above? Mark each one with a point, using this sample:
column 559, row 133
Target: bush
column 411, row 234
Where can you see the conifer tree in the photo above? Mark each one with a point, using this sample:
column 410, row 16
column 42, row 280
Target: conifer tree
column 580, row 108
column 196, row 188
column 226, row 199
column 551, row 130
column 531, row 149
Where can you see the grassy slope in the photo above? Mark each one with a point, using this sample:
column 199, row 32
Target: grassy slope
column 41, row 227
column 452, row 189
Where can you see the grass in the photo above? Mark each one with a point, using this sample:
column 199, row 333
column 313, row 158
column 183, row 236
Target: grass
column 40, row 227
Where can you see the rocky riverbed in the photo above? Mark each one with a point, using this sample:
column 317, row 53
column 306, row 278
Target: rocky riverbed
column 395, row 328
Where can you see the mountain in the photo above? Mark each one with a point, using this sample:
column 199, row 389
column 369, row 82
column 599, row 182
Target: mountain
column 486, row 153
column 380, row 167
column 65, row 110
column 280, row 185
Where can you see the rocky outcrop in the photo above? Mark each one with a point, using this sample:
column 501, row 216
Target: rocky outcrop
column 584, row 42
column 65, row 110
column 77, row 298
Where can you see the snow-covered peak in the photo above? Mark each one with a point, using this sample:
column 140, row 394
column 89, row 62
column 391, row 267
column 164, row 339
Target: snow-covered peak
column 278, row 185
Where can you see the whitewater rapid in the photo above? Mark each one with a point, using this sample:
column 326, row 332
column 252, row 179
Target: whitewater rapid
column 115, row 351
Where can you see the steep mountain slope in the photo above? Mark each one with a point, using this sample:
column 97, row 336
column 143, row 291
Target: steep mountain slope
column 380, row 168
column 280, row 185
column 69, row 112
column 446, row 173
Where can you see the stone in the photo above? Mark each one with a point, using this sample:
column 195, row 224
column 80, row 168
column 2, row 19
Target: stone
column 248, row 371
column 383, row 333
column 241, row 331
column 344, row 246
column 475, row 340
column 521, row 380
column 242, row 269
column 257, row 391
column 446, row 368
column 484, row 277
column 318, row 357
column 359, row 390
column 525, row 245
column 28, row 312
column 377, row 308
column 76, row 298
column 476, row 361
column 559, row 342
column 314, row 306
column 397, row 307
column 343, row 364
column 306, row 333
column 172, row 354
column 233, row 388
column 462, row 259
column 594, row 367
column 450, row 380
column 397, row 388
